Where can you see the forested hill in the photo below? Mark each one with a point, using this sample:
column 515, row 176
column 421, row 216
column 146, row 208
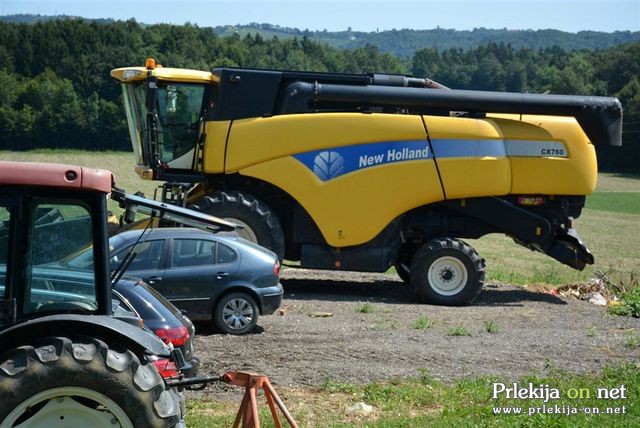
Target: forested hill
column 405, row 42
column 55, row 89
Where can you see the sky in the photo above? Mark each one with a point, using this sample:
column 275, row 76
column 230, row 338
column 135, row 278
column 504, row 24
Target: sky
column 360, row 15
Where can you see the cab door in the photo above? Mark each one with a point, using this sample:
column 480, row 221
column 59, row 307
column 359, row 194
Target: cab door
column 148, row 264
column 179, row 110
column 198, row 270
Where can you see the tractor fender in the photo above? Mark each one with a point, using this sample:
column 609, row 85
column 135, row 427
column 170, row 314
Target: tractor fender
column 107, row 328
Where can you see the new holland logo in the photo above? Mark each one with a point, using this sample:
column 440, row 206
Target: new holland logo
column 338, row 161
column 327, row 165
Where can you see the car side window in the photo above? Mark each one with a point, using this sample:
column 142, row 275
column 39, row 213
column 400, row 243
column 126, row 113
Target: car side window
column 148, row 257
column 192, row 252
column 225, row 254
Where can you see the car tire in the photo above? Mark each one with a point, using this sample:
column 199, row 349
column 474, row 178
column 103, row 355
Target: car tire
column 85, row 381
column 235, row 313
column 259, row 223
column 447, row 271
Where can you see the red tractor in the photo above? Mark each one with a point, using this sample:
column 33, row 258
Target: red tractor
column 65, row 358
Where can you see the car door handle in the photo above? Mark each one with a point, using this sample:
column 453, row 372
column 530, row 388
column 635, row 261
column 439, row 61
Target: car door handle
column 154, row 280
column 221, row 275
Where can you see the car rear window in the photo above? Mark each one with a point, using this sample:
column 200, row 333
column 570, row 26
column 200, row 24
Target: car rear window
column 225, row 254
column 148, row 302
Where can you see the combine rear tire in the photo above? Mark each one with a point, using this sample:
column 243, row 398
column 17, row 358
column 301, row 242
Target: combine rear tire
column 447, row 271
column 57, row 382
column 260, row 224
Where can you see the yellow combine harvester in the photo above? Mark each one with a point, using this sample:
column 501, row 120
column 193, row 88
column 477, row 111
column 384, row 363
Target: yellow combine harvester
column 363, row 172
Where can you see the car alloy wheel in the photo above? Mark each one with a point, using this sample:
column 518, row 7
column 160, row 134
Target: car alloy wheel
column 236, row 313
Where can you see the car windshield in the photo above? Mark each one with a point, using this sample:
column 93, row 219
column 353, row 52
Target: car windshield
column 178, row 109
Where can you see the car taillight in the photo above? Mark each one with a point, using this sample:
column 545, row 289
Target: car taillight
column 177, row 335
column 166, row 368
column 276, row 268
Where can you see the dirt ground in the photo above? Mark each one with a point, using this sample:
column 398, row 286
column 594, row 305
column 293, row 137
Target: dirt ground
column 324, row 333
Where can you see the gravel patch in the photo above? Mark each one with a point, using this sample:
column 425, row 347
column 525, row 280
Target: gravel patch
column 323, row 333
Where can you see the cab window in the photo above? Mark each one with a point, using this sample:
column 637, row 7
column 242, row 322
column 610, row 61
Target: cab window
column 57, row 231
column 179, row 108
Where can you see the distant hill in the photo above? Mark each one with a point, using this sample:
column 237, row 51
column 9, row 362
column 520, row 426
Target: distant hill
column 405, row 42
column 32, row 19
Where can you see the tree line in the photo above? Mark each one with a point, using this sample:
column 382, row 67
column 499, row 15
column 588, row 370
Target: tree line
column 55, row 89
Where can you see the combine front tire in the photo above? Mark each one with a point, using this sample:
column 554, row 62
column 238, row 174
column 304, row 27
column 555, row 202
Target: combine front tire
column 447, row 271
column 57, row 382
column 259, row 223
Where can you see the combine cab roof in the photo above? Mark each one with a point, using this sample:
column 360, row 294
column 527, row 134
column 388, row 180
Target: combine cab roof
column 138, row 74
column 55, row 175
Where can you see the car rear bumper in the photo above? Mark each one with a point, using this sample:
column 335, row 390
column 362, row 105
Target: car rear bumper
column 271, row 298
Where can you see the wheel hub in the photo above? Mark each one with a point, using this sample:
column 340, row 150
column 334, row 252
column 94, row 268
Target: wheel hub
column 447, row 275
column 95, row 410
column 237, row 313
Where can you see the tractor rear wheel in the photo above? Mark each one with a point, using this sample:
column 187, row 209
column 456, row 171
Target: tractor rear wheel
column 84, row 382
column 259, row 223
column 447, row 271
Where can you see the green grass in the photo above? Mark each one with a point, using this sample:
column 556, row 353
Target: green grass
column 423, row 401
column 632, row 341
column 490, row 327
column 364, row 308
column 458, row 331
column 617, row 202
column 422, row 323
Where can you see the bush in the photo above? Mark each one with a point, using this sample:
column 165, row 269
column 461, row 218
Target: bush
column 629, row 304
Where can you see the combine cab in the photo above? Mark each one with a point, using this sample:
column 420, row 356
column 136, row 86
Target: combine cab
column 365, row 172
